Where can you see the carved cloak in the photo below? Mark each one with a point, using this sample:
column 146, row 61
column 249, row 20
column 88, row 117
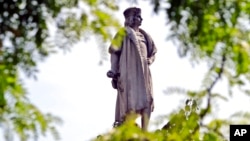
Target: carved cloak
column 135, row 91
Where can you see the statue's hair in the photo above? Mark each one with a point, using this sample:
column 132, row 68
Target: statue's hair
column 131, row 11
column 129, row 21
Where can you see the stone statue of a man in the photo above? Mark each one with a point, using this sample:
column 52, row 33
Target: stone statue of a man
column 132, row 52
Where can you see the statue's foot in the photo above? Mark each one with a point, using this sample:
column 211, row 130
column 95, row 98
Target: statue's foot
column 117, row 124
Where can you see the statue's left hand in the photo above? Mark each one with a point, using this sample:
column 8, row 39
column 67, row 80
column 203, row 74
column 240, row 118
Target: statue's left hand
column 149, row 61
column 152, row 105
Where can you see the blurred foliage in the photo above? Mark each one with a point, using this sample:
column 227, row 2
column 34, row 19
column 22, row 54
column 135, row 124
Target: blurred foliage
column 216, row 32
column 183, row 125
column 30, row 31
column 211, row 31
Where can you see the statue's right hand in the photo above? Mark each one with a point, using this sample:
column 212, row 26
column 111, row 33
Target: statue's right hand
column 110, row 74
column 114, row 83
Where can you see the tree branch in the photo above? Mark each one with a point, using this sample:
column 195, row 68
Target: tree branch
column 209, row 89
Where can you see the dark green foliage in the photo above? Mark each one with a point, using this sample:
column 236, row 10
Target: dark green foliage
column 208, row 29
column 23, row 34
column 25, row 40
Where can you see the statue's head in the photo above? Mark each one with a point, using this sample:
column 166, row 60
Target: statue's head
column 132, row 16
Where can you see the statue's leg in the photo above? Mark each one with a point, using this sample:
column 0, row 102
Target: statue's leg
column 119, row 118
column 145, row 116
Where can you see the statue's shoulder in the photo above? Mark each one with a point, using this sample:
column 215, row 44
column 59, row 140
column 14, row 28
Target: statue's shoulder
column 116, row 43
column 121, row 33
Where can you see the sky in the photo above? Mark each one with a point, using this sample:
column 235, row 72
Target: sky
column 74, row 86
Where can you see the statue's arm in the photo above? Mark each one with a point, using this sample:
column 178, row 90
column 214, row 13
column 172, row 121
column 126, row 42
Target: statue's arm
column 114, row 60
column 115, row 50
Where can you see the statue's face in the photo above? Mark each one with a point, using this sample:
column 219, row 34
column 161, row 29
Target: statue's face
column 137, row 19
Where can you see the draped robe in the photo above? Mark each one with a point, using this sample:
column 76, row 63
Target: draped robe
column 135, row 91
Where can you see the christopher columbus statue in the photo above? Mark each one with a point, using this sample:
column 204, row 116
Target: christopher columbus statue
column 132, row 52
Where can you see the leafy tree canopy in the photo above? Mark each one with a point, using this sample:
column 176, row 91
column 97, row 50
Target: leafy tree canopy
column 26, row 39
